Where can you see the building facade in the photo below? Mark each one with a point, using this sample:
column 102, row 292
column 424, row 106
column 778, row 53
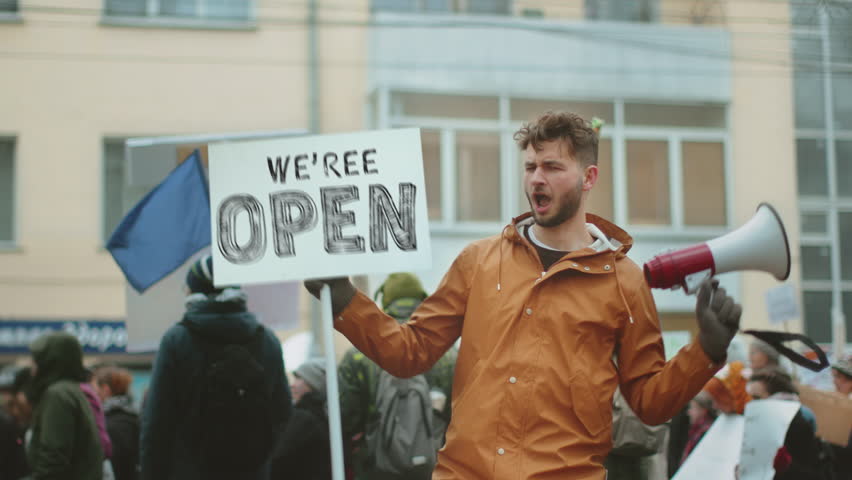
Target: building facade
column 697, row 98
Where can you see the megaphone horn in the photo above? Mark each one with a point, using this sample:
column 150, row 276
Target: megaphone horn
column 761, row 244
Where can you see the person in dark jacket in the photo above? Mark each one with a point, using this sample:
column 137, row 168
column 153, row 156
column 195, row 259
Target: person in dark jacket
column 122, row 420
column 303, row 449
column 13, row 457
column 65, row 441
column 798, row 457
column 173, row 431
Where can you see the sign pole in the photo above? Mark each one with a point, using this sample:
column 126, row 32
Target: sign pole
column 333, row 395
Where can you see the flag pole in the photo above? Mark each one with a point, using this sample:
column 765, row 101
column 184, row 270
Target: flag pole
column 333, row 396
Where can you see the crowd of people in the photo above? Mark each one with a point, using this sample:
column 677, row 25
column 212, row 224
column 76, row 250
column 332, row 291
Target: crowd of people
column 560, row 371
column 66, row 421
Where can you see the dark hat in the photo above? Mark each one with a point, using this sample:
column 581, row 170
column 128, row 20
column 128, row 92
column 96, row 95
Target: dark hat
column 313, row 373
column 199, row 278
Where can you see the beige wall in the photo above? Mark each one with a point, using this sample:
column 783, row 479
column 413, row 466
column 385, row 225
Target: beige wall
column 764, row 162
column 74, row 82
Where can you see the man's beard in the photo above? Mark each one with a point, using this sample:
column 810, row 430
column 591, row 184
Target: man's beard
column 565, row 211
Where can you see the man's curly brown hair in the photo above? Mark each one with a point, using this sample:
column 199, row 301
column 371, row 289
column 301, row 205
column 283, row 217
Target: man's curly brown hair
column 576, row 133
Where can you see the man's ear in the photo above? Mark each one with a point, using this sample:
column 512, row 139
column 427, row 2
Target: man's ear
column 590, row 177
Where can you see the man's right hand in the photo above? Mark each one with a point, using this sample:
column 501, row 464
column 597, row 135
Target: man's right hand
column 342, row 291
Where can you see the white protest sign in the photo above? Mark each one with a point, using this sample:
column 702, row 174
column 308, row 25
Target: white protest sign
column 782, row 304
column 717, row 454
column 318, row 206
column 766, row 424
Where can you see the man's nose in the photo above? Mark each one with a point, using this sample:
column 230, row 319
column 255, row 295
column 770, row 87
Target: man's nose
column 536, row 177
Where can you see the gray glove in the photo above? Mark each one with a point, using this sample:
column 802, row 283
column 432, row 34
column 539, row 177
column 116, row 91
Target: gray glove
column 718, row 319
column 342, row 291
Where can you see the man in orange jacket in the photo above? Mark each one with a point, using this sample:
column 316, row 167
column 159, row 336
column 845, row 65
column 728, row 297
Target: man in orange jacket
column 543, row 307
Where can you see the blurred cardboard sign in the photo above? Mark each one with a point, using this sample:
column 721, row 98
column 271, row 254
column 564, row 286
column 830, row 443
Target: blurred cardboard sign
column 833, row 414
column 318, row 206
column 782, row 304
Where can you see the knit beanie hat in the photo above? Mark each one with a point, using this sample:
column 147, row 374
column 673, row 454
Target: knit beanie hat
column 313, row 373
column 400, row 285
column 728, row 388
column 199, row 278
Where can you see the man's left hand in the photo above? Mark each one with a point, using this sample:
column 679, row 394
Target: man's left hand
column 718, row 319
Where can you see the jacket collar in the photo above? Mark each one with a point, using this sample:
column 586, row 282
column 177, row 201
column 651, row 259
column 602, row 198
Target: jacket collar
column 620, row 239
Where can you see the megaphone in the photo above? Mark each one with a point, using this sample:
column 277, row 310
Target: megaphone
column 761, row 244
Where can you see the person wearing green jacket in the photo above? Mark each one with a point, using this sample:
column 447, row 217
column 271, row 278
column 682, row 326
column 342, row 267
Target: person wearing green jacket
column 65, row 442
column 358, row 378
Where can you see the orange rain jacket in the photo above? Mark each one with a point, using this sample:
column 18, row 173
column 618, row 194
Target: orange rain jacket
column 535, row 375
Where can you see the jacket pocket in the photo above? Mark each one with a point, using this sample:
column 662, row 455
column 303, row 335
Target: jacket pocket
column 586, row 406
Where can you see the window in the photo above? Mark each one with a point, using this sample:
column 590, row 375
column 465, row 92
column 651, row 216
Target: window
column 487, row 7
column 843, row 163
column 703, row 183
column 181, row 9
column 648, row 182
column 445, row 106
column 526, row 110
column 599, row 201
column 844, row 221
column 7, row 190
column 621, row 11
column 113, row 186
column 814, row 223
column 478, row 174
column 701, row 116
column 808, row 94
column 431, row 141
column 8, row 6
column 810, row 167
column 824, row 164
column 673, row 154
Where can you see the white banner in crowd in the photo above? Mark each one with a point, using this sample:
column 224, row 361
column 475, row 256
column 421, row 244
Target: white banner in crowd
column 766, row 424
column 318, row 206
column 717, row 454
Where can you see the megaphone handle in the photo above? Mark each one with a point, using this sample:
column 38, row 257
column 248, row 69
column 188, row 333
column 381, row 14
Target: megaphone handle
column 776, row 339
column 692, row 281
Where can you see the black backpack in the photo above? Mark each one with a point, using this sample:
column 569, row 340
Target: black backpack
column 236, row 430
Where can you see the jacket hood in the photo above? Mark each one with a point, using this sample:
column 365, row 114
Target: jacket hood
column 620, row 240
column 58, row 356
column 222, row 317
column 616, row 243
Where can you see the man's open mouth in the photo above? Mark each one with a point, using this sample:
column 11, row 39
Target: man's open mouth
column 540, row 201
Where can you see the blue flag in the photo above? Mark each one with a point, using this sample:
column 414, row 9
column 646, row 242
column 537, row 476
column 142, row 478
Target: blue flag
column 165, row 228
